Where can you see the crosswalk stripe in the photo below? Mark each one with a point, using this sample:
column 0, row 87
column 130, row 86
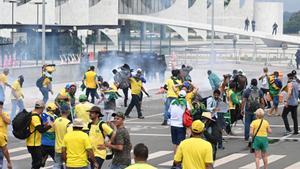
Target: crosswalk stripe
column 156, row 155
column 13, row 150
column 168, row 163
column 229, row 158
column 271, row 159
column 294, row 166
column 51, row 166
column 21, row 157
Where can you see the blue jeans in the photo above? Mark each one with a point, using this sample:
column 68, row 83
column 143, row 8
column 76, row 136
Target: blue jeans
column 58, row 161
column 45, row 93
column 167, row 105
column 249, row 117
column 2, row 94
column 117, row 166
column 14, row 104
column 1, row 159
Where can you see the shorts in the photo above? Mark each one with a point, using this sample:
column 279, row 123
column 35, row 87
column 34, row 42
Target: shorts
column 3, row 140
column 275, row 101
column 261, row 143
column 177, row 134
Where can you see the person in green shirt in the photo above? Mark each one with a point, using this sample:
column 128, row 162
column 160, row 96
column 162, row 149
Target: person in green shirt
column 140, row 152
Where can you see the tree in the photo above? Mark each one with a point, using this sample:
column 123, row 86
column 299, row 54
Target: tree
column 293, row 25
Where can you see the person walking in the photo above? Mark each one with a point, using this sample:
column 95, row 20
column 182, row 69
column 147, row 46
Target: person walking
column 275, row 85
column 172, row 86
column 98, row 131
column 214, row 80
column 136, row 85
column 275, row 27
column 44, row 83
column 17, row 96
column 91, row 83
column 48, row 138
column 291, row 104
column 265, row 86
column 121, row 144
column 122, row 84
column 195, row 152
column 77, row 148
column 177, row 109
column 253, row 99
column 34, row 141
column 298, row 58
column 4, row 122
column 61, row 126
column 247, row 22
column 259, row 130
column 3, row 83
column 140, row 153
column 109, row 96
column 253, row 24
column 82, row 108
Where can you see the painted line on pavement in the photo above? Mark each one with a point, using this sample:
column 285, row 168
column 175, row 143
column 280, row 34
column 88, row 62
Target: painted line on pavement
column 142, row 122
column 21, row 157
column 156, row 155
column 229, row 158
column 294, row 166
column 13, row 150
column 168, row 163
column 48, row 167
column 271, row 159
column 272, row 126
column 153, row 115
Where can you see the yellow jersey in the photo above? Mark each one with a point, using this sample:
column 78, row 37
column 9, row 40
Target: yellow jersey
column 136, row 86
column 35, row 138
column 81, row 112
column 18, row 90
column 90, row 79
column 77, row 143
column 3, row 125
column 263, row 131
column 61, row 127
column 194, row 153
column 3, row 79
column 46, row 82
column 170, row 84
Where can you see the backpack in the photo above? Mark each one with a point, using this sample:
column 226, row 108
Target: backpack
column 187, row 119
column 253, row 100
column 21, row 124
column 109, row 153
column 39, row 82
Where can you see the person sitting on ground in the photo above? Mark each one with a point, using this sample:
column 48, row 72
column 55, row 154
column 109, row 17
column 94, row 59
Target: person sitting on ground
column 140, row 152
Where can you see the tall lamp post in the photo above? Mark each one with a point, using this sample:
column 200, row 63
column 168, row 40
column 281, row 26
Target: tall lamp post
column 43, row 32
column 12, row 23
column 212, row 52
column 37, row 28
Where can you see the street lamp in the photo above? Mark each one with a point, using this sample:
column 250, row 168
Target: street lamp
column 43, row 33
column 212, row 52
column 12, row 23
column 37, row 28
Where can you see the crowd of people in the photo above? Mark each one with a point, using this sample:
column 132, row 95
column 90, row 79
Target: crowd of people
column 83, row 132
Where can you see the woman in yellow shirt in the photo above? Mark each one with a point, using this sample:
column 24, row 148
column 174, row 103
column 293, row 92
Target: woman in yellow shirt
column 260, row 142
column 17, row 96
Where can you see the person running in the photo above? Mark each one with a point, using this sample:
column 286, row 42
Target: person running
column 260, row 128
column 98, row 131
column 77, row 148
column 177, row 109
column 34, row 141
column 17, row 96
column 136, row 85
column 140, row 153
column 4, row 122
column 109, row 96
column 61, row 126
column 44, row 84
column 291, row 104
column 121, row 79
column 48, row 138
column 3, row 83
column 90, row 80
column 275, row 85
column 194, row 152
column 253, row 99
column 172, row 86
column 214, row 80
column 265, row 86
column 81, row 109
column 121, row 144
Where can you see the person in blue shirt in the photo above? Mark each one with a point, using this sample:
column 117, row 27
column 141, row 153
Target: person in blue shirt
column 48, row 138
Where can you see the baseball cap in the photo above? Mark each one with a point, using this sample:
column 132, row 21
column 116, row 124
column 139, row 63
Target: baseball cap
column 182, row 93
column 51, row 106
column 118, row 114
column 96, row 109
column 78, row 123
column 82, row 98
column 39, row 104
column 197, row 126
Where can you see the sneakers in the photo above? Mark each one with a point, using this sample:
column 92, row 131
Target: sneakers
column 127, row 117
column 141, row 117
column 295, row 133
column 165, row 123
column 287, row 133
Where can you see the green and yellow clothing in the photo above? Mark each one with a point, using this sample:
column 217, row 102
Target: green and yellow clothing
column 3, row 78
column 18, row 90
column 90, row 78
column 170, row 83
column 35, row 138
column 61, row 127
column 46, row 82
column 3, row 130
column 263, row 131
column 81, row 112
column 136, row 86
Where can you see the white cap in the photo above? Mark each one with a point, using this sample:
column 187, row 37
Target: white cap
column 182, row 93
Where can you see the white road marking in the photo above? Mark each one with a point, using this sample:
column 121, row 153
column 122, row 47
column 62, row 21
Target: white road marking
column 51, row 166
column 294, row 166
column 21, row 157
column 229, row 158
column 271, row 159
column 168, row 163
column 156, row 155
column 13, row 150
column 153, row 115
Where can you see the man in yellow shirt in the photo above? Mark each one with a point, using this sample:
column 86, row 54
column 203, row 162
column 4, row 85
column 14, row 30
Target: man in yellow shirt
column 61, row 127
column 172, row 86
column 4, row 121
column 77, row 148
column 136, row 89
column 3, row 84
column 91, row 83
column 194, row 152
column 81, row 109
column 17, row 96
column 99, row 130
column 33, row 142
column 140, row 152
